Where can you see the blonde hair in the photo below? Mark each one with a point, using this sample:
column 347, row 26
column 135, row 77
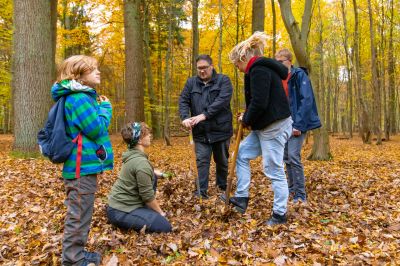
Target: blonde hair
column 285, row 53
column 75, row 66
column 253, row 46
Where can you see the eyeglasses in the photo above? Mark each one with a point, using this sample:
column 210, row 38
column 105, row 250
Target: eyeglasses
column 203, row 68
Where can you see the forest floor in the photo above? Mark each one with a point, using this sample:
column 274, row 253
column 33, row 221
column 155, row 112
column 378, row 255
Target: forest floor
column 352, row 216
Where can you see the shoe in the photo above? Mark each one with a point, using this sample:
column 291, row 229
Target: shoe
column 91, row 258
column 276, row 219
column 202, row 195
column 239, row 203
column 302, row 201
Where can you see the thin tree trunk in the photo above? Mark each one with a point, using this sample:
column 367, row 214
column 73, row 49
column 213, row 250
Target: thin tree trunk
column 349, row 72
column 321, row 149
column 236, row 73
column 220, row 36
column 168, row 81
column 336, row 92
column 33, row 70
column 364, row 123
column 258, row 15
column 195, row 37
column 134, row 95
column 150, row 82
column 391, row 73
column 273, row 28
column 376, row 96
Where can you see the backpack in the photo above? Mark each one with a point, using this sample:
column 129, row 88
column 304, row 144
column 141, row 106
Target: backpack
column 54, row 143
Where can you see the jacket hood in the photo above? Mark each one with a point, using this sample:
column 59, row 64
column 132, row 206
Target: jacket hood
column 272, row 64
column 66, row 87
column 132, row 154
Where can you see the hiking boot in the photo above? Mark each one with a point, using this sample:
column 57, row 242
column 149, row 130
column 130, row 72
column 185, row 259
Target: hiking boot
column 93, row 258
column 276, row 219
column 300, row 200
column 239, row 203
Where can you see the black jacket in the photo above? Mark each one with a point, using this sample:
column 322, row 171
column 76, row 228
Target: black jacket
column 211, row 99
column 266, row 101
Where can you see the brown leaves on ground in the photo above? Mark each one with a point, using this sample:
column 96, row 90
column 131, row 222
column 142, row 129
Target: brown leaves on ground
column 352, row 216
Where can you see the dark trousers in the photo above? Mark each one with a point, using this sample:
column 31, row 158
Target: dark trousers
column 139, row 218
column 220, row 152
column 79, row 202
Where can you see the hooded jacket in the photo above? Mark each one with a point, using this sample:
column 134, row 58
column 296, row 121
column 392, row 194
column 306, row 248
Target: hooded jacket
column 302, row 101
column 134, row 186
column 83, row 114
column 266, row 101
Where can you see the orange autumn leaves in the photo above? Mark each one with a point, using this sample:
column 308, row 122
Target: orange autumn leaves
column 353, row 214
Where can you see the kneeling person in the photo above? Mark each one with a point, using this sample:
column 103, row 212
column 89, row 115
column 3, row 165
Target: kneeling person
column 131, row 202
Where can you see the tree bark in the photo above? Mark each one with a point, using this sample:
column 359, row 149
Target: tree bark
column 349, row 69
column 376, row 96
column 391, row 72
column 155, row 123
column 167, row 79
column 195, row 37
column 33, row 70
column 220, row 36
column 298, row 37
column 134, row 95
column 273, row 28
column 258, row 15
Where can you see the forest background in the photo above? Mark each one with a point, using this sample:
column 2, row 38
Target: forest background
column 146, row 51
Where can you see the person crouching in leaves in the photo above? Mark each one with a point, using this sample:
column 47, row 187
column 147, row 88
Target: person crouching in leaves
column 132, row 203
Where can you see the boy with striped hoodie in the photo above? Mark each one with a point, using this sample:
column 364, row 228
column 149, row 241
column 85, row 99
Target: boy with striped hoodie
column 86, row 122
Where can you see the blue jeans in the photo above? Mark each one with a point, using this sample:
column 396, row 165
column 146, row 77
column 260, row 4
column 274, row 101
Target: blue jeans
column 139, row 218
column 270, row 144
column 294, row 166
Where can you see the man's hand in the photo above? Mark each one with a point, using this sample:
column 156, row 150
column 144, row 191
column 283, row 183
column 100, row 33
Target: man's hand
column 296, row 132
column 197, row 119
column 103, row 98
column 187, row 123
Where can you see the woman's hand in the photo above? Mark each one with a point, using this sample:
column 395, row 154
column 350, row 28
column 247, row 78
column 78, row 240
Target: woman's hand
column 103, row 98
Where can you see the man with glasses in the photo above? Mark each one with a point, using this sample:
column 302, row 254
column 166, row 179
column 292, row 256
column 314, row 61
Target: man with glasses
column 204, row 107
column 304, row 112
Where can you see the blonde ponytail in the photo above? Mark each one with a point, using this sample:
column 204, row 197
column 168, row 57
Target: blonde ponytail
column 253, row 46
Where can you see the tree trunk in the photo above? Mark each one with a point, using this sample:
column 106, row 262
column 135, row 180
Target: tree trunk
column 391, row 72
column 220, row 36
column 168, row 81
column 195, row 37
column 236, row 98
column 298, row 38
column 273, row 28
column 134, row 95
column 33, row 70
column 376, row 96
column 258, row 15
column 349, row 72
column 155, row 123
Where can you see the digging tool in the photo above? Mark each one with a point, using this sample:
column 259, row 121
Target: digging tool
column 233, row 164
column 193, row 165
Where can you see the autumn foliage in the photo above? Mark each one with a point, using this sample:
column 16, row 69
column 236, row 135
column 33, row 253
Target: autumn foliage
column 353, row 214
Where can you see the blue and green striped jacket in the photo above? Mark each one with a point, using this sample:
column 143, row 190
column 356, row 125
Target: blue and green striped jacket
column 84, row 114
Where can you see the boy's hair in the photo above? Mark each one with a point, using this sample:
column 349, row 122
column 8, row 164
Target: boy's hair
column 75, row 66
column 127, row 133
column 285, row 53
column 253, row 46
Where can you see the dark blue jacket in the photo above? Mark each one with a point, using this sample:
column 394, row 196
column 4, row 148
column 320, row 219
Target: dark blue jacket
column 302, row 101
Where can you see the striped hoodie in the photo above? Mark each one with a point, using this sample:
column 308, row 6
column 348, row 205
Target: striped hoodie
column 84, row 114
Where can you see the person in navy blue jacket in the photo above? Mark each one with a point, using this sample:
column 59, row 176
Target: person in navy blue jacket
column 305, row 117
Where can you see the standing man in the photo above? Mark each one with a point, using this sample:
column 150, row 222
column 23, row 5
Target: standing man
column 304, row 112
column 204, row 107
